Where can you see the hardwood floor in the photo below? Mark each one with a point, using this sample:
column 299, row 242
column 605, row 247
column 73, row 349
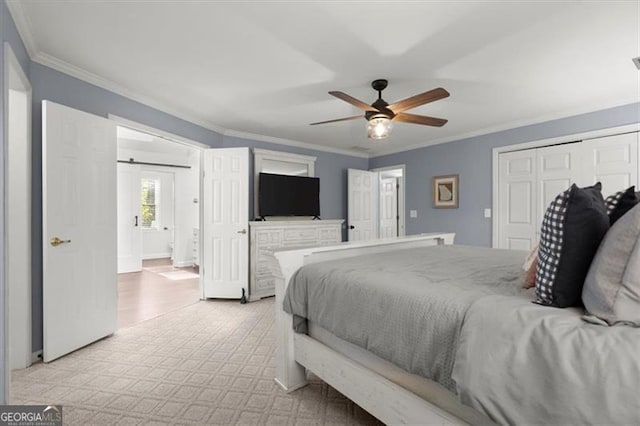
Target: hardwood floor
column 158, row 289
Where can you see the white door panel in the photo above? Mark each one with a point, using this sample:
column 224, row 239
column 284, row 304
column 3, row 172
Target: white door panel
column 612, row 160
column 363, row 205
column 516, row 195
column 79, row 198
column 129, row 219
column 226, row 222
column 558, row 167
column 388, row 208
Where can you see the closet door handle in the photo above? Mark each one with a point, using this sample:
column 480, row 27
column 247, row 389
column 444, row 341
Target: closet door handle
column 352, row 227
column 136, row 218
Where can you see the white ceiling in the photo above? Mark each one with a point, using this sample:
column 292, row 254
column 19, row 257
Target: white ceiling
column 266, row 67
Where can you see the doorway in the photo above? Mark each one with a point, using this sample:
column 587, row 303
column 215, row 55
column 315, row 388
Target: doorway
column 391, row 202
column 158, row 225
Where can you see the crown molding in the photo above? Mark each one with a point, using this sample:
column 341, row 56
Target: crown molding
column 96, row 80
column 510, row 126
column 23, row 25
column 297, row 144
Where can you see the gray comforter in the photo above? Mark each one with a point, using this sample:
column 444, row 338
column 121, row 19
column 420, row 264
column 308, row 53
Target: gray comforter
column 405, row 306
column 522, row 363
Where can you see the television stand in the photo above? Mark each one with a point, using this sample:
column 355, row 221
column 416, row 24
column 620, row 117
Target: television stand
column 266, row 237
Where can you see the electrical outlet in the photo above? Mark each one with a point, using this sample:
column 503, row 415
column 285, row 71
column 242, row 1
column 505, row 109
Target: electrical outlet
column 413, row 213
column 487, row 213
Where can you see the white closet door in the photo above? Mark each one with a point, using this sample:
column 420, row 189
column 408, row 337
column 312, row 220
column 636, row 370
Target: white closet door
column 363, row 205
column 225, row 245
column 612, row 160
column 388, row 208
column 516, row 200
column 558, row 168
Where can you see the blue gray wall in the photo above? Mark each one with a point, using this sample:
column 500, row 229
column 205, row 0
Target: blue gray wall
column 10, row 35
column 471, row 158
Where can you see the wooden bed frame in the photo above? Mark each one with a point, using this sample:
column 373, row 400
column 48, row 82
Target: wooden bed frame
column 296, row 353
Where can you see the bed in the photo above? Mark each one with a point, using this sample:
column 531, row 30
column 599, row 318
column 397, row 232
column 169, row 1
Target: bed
column 458, row 342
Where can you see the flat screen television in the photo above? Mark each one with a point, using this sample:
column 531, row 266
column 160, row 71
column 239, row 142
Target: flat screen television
column 282, row 195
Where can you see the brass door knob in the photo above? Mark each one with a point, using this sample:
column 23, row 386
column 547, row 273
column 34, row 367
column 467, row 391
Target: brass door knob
column 55, row 241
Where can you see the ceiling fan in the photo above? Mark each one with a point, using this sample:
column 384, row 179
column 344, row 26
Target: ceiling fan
column 380, row 114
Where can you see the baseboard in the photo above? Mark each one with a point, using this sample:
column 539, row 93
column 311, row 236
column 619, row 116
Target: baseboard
column 36, row 356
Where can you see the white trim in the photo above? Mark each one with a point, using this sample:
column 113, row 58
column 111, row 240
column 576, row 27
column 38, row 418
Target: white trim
column 509, row 126
column 402, row 196
column 265, row 154
column 23, row 25
column 538, row 144
column 298, row 144
column 153, row 256
column 156, row 132
column 11, row 63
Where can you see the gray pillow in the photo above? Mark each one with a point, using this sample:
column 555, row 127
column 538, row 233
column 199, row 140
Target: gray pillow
column 611, row 291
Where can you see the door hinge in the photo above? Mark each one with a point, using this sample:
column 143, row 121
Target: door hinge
column 397, row 186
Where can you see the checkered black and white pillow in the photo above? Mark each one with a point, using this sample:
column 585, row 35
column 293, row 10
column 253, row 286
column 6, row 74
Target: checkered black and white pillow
column 620, row 203
column 550, row 249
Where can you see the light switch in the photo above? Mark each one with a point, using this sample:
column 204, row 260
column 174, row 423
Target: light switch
column 413, row 213
column 487, row 213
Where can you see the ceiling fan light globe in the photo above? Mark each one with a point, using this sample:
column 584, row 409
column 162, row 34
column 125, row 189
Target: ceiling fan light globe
column 378, row 128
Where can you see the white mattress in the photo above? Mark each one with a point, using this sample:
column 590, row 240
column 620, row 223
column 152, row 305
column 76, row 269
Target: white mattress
column 424, row 388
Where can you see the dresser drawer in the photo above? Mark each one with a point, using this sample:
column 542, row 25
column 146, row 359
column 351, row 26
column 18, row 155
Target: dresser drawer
column 329, row 234
column 266, row 283
column 300, row 235
column 266, row 238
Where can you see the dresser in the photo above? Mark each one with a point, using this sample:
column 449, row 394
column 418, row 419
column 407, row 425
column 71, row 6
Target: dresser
column 269, row 236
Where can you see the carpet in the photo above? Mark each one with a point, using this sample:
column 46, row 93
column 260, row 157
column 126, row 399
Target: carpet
column 207, row 363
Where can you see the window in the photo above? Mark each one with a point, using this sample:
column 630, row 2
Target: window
column 150, row 198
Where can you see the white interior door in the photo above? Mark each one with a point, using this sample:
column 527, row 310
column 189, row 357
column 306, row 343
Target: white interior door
column 129, row 219
column 612, row 160
column 79, row 194
column 388, row 208
column 225, row 237
column 558, row 168
column 516, row 200
column 363, row 204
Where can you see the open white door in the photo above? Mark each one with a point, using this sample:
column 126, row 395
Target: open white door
column 129, row 219
column 79, row 229
column 363, row 205
column 225, row 223
column 388, row 208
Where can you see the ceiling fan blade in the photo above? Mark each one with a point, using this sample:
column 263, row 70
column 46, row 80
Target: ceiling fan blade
column 420, row 119
column 353, row 101
column 337, row 119
column 417, row 100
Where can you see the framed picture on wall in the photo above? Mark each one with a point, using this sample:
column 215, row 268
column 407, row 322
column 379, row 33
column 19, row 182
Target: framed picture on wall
column 445, row 192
